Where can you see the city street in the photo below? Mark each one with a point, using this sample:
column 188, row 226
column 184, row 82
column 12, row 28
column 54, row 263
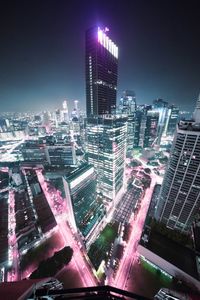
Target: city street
column 130, row 253
column 78, row 259
column 126, row 205
column 12, row 243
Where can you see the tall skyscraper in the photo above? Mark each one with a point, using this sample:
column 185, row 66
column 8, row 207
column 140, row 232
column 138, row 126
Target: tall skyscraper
column 172, row 120
column 179, row 200
column 84, row 212
column 128, row 102
column 65, row 114
column 101, row 72
column 128, row 106
column 106, row 142
column 146, row 126
column 76, row 105
column 161, row 106
column 151, row 130
column 137, row 127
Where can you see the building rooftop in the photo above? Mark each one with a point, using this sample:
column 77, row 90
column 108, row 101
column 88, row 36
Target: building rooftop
column 20, row 289
column 78, row 172
column 189, row 125
column 96, row 292
column 46, row 218
column 168, row 250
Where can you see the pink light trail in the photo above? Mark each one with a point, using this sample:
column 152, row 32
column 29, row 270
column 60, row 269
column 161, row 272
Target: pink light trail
column 130, row 253
column 79, row 260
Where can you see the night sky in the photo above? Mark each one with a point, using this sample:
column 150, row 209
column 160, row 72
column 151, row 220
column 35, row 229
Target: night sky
column 42, row 50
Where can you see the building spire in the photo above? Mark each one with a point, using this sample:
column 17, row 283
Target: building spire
column 196, row 114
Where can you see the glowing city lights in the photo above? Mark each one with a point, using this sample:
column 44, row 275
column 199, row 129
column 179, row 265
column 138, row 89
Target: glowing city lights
column 107, row 43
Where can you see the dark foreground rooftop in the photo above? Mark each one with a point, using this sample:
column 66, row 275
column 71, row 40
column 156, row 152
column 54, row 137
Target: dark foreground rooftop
column 178, row 255
column 26, row 289
column 97, row 292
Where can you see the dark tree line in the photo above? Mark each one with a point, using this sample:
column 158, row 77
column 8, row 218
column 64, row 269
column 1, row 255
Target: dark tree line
column 50, row 266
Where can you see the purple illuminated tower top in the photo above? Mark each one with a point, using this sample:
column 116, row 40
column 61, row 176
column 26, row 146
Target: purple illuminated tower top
column 101, row 72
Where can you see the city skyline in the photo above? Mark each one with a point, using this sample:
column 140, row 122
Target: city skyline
column 158, row 51
column 99, row 188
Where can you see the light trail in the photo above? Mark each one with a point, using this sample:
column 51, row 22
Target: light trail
column 13, row 254
column 78, row 258
column 130, row 253
column 7, row 156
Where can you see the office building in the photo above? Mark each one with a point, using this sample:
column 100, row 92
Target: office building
column 151, row 129
column 106, row 148
column 130, row 133
column 101, row 72
column 172, row 120
column 128, row 102
column 160, row 106
column 85, row 209
column 34, row 151
column 179, row 200
column 57, row 117
column 137, row 126
column 64, row 112
column 61, row 154
column 127, row 106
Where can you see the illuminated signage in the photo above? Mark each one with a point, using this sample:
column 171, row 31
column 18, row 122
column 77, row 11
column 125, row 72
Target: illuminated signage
column 104, row 40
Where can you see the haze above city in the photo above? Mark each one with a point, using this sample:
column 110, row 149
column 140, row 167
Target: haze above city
column 42, row 51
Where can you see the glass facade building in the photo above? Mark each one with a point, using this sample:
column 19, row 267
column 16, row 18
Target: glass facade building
column 86, row 210
column 127, row 106
column 128, row 102
column 101, row 61
column 172, row 120
column 179, row 200
column 106, row 147
column 151, row 130
column 61, row 155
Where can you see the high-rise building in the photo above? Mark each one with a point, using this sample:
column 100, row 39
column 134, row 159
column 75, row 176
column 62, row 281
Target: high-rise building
column 61, row 154
column 128, row 102
column 151, row 130
column 179, row 200
column 130, row 133
column 85, row 209
column 45, row 118
column 106, row 147
column 128, row 106
column 76, row 105
column 101, row 72
column 137, row 127
column 75, row 112
column 34, row 151
column 172, row 120
column 65, row 114
column 161, row 106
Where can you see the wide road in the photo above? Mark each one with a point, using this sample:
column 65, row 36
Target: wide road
column 130, row 253
column 8, row 156
column 78, row 258
column 13, row 274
